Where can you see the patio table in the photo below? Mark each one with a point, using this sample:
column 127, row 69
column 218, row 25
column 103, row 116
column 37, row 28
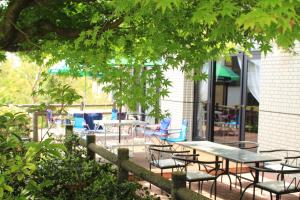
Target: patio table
column 229, row 153
column 108, row 124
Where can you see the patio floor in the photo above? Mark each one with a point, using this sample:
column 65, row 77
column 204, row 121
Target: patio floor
column 223, row 190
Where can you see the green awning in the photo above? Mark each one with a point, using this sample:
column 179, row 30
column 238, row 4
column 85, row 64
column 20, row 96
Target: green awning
column 63, row 69
column 225, row 73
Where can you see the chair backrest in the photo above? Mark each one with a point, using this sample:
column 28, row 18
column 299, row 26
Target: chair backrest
column 184, row 127
column 121, row 115
column 49, row 115
column 164, row 125
column 90, row 117
column 79, row 121
column 114, row 114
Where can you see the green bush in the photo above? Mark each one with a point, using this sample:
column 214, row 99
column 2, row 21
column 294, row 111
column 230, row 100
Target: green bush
column 46, row 170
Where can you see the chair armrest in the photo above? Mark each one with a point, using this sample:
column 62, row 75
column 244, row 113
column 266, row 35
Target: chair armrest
column 297, row 168
column 291, row 157
column 278, row 150
column 171, row 131
column 184, row 155
column 168, row 151
column 205, row 162
column 281, row 171
column 263, row 169
column 161, row 145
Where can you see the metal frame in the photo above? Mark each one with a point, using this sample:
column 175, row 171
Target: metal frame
column 211, row 101
column 243, row 97
column 195, row 130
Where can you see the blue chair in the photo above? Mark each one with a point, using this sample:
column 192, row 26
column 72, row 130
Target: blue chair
column 89, row 119
column 232, row 125
column 182, row 133
column 161, row 131
column 80, row 125
column 114, row 114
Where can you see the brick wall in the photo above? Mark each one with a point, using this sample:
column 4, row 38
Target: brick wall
column 279, row 111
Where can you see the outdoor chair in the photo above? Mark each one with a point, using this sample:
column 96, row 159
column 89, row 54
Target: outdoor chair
column 232, row 124
column 290, row 156
column 80, row 125
column 277, row 187
column 83, row 123
column 161, row 157
column 181, row 133
column 89, row 120
column 197, row 175
column 115, row 115
column 156, row 132
column 49, row 115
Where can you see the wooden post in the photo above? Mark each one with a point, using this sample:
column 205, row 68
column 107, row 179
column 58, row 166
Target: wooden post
column 123, row 154
column 89, row 140
column 69, row 130
column 178, row 181
column 68, row 133
column 35, row 126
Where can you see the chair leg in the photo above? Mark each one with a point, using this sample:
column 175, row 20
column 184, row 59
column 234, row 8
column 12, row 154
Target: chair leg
column 236, row 172
column 161, row 173
column 271, row 196
column 262, row 180
column 215, row 189
column 253, row 192
column 190, row 183
column 277, row 196
column 199, row 187
column 149, row 182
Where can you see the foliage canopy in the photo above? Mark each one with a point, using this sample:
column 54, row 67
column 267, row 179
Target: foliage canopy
column 184, row 33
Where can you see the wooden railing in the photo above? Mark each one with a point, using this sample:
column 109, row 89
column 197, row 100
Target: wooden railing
column 37, row 114
column 176, row 187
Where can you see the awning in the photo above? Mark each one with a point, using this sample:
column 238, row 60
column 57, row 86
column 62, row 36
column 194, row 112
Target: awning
column 226, row 74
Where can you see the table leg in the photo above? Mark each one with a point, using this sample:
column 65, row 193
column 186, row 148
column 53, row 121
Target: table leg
column 194, row 152
column 105, row 130
column 227, row 172
column 256, row 177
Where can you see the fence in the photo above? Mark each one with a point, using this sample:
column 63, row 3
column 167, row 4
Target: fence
column 176, row 187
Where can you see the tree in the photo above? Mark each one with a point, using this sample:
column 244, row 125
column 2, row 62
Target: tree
column 185, row 33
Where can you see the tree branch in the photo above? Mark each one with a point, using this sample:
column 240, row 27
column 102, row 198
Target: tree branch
column 10, row 18
column 12, row 35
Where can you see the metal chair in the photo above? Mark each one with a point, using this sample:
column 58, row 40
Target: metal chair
column 161, row 157
column 288, row 155
column 278, row 187
column 197, row 175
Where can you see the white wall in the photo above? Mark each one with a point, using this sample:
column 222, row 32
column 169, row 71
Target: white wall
column 174, row 102
column 279, row 110
column 233, row 97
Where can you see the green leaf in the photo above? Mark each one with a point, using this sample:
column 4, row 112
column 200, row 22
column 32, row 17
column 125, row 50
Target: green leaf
column 8, row 188
column 1, row 192
column 166, row 4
